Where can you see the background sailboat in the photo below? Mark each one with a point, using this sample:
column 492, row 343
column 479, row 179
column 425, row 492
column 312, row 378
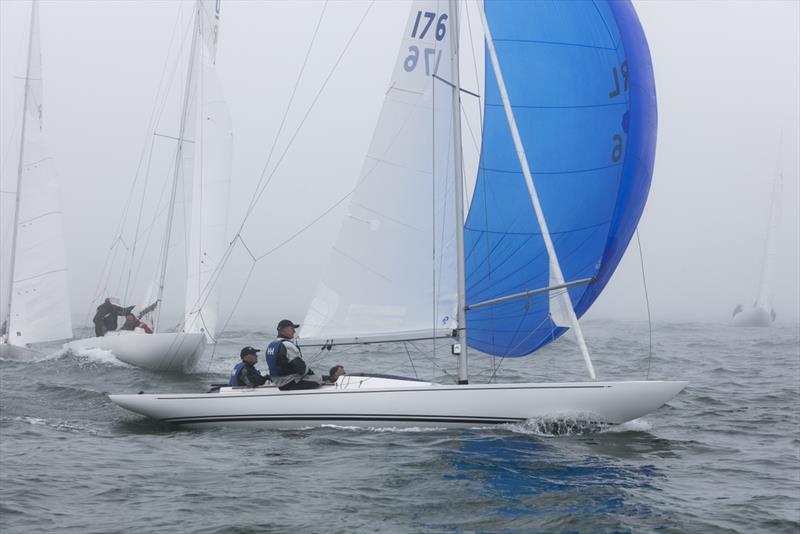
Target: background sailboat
column 762, row 313
column 403, row 266
column 202, row 159
column 37, row 309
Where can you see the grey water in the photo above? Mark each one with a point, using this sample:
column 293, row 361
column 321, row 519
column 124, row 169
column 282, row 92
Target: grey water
column 723, row 456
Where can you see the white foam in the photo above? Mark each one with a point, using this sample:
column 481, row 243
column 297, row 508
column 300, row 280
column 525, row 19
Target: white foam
column 572, row 424
column 105, row 357
column 31, row 420
column 63, row 426
column 637, row 425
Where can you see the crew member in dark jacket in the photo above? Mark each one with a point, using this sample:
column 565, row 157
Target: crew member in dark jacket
column 245, row 372
column 286, row 366
column 106, row 317
column 132, row 323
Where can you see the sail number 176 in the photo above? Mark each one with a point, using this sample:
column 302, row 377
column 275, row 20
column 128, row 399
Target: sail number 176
column 422, row 25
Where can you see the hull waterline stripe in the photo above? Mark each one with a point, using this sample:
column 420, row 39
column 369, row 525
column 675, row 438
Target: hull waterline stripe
column 371, row 391
column 342, row 418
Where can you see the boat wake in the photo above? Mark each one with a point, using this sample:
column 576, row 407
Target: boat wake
column 30, row 355
column 560, row 425
column 575, row 425
column 92, row 357
column 61, row 426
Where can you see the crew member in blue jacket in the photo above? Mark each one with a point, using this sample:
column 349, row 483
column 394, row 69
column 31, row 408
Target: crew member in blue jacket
column 287, row 370
column 245, row 372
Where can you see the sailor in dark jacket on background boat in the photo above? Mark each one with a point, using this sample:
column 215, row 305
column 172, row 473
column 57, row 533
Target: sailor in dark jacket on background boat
column 286, row 366
column 245, row 372
column 106, row 317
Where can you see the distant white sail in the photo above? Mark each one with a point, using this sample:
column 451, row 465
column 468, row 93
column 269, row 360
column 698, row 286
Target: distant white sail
column 39, row 308
column 770, row 251
column 210, row 169
column 392, row 268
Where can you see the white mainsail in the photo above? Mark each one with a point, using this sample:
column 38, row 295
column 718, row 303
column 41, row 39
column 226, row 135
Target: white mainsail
column 39, row 307
column 392, row 268
column 211, row 177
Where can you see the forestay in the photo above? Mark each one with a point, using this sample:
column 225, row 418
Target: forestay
column 580, row 83
column 392, row 270
column 39, row 307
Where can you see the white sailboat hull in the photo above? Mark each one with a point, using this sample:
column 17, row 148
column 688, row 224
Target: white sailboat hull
column 380, row 402
column 753, row 317
column 176, row 352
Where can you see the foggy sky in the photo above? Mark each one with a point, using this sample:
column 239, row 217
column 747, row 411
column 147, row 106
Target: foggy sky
column 727, row 79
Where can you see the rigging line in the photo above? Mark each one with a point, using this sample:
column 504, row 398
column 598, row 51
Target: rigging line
column 155, row 113
column 216, row 274
column 313, row 222
column 257, row 197
column 647, row 301
column 297, row 131
column 186, row 192
column 235, row 305
column 250, row 252
column 364, row 178
column 434, row 310
column 469, row 127
column 435, row 365
column 151, row 126
column 474, row 63
column 108, row 258
column 254, row 200
column 405, row 346
column 521, row 341
column 495, row 367
column 149, row 237
column 139, row 223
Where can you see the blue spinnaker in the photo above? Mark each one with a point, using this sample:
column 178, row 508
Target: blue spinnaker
column 580, row 81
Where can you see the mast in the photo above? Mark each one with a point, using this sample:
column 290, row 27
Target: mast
column 458, row 176
column 555, row 267
column 20, row 164
column 177, row 167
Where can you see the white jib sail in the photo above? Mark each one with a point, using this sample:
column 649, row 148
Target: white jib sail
column 40, row 309
column 211, row 176
column 392, row 268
